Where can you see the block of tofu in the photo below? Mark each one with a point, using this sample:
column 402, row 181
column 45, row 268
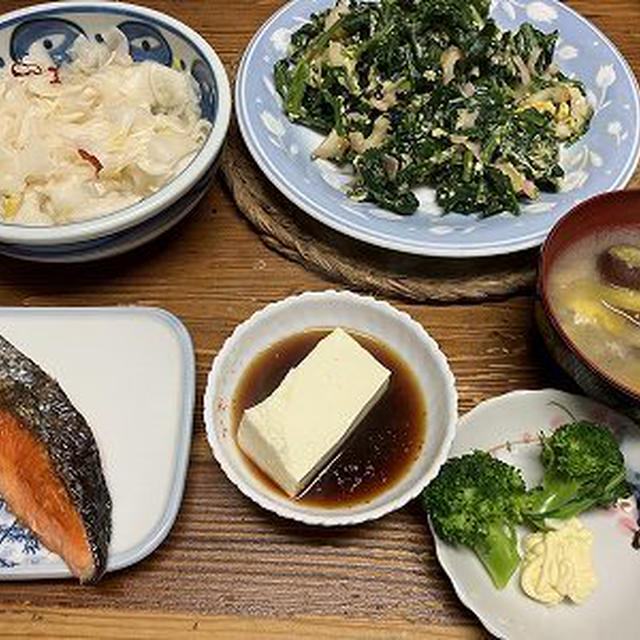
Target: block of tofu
column 296, row 431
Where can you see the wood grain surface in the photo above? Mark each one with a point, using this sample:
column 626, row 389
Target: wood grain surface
column 229, row 568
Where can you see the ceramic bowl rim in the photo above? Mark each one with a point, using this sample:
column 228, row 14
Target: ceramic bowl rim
column 319, row 516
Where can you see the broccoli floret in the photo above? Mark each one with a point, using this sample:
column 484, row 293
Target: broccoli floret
column 475, row 502
column 583, row 468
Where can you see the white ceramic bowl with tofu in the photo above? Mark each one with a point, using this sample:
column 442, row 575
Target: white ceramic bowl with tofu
column 354, row 313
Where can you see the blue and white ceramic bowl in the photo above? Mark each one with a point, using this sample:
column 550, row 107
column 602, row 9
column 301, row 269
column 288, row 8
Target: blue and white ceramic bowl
column 152, row 36
column 603, row 160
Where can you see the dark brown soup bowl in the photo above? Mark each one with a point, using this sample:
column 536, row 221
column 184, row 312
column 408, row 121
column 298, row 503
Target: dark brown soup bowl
column 606, row 212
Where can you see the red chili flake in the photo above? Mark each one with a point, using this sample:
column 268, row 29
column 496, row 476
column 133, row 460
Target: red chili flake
column 55, row 75
column 89, row 157
column 20, row 69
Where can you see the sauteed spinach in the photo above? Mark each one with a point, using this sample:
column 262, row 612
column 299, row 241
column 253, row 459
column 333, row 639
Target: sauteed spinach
column 432, row 92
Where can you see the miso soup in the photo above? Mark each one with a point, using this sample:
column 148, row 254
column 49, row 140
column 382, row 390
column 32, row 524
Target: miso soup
column 594, row 292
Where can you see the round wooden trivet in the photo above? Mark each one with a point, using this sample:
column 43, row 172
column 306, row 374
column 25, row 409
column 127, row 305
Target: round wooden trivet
column 296, row 235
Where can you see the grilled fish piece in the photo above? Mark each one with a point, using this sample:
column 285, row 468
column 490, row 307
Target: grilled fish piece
column 50, row 472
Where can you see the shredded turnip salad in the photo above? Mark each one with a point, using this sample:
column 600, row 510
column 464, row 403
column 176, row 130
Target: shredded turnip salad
column 93, row 136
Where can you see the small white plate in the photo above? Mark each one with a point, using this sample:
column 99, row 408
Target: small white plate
column 130, row 372
column 517, row 418
column 332, row 309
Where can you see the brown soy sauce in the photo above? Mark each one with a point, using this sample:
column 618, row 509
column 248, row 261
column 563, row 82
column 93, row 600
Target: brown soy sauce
column 382, row 447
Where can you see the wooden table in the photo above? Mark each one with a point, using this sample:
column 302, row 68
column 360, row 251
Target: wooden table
column 229, row 568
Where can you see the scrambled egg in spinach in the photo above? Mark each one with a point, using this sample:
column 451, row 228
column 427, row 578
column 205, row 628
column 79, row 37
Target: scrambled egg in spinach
column 432, row 92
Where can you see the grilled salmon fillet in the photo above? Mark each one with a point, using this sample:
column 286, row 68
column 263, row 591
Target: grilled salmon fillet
column 50, row 470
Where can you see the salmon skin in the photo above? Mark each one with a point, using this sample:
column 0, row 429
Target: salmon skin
column 50, row 471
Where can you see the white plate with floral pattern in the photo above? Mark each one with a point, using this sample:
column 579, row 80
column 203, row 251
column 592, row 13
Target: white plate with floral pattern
column 508, row 426
column 603, row 160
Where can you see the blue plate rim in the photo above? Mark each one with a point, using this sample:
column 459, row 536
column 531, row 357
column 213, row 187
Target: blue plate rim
column 372, row 237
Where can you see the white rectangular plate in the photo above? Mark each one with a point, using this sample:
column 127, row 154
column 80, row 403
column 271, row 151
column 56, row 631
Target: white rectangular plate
column 130, row 371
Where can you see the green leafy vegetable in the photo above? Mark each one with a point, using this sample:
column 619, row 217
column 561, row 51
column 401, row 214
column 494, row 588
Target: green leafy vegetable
column 475, row 502
column 583, row 468
column 477, row 113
